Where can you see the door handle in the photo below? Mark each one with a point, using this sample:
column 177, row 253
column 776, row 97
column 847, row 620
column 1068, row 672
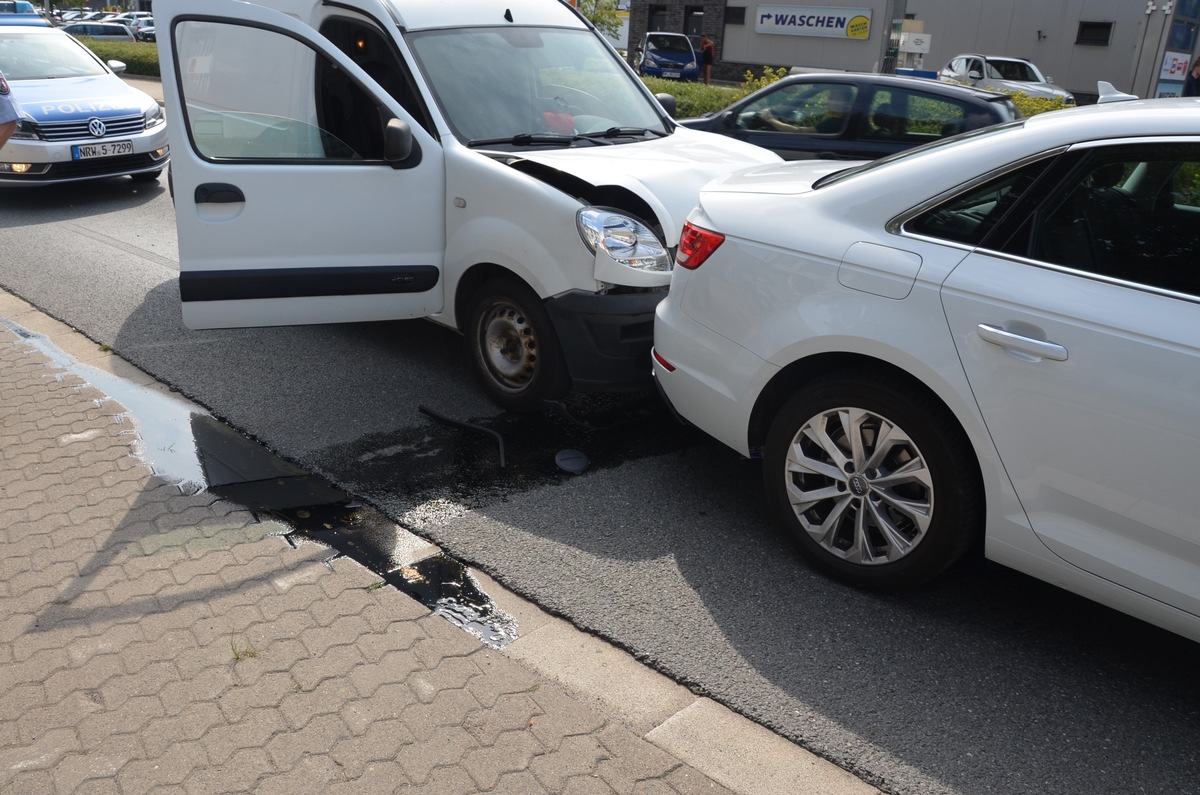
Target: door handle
column 218, row 193
column 1018, row 343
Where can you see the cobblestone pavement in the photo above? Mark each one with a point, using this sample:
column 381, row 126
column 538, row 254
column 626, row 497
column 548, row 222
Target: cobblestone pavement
column 159, row 641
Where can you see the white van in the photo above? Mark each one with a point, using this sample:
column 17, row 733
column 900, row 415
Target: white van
column 492, row 165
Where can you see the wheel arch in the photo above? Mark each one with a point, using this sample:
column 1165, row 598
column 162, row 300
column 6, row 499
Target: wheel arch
column 470, row 281
column 788, row 380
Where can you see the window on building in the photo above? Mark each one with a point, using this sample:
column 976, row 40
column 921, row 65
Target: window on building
column 693, row 22
column 1095, row 33
column 657, row 18
column 735, row 15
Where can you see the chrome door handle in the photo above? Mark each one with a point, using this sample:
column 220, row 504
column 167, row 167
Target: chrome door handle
column 1027, row 345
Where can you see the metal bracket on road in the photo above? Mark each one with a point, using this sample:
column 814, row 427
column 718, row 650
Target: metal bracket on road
column 469, row 426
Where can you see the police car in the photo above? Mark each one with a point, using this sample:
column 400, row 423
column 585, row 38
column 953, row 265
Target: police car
column 79, row 120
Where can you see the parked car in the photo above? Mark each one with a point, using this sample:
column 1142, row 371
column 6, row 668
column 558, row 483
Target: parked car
column 998, row 73
column 80, row 121
column 130, row 15
column 668, row 55
column 851, row 115
column 995, row 337
column 106, row 31
column 143, row 29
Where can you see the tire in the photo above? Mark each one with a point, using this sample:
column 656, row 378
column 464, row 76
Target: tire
column 874, row 516
column 514, row 347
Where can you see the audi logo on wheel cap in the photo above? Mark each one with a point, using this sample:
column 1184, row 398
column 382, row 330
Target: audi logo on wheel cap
column 97, row 128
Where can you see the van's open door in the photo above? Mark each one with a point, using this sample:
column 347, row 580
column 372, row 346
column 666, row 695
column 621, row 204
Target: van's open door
column 303, row 192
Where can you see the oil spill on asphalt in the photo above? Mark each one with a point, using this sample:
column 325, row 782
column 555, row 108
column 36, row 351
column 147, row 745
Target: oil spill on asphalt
column 439, row 582
column 450, row 462
column 184, row 445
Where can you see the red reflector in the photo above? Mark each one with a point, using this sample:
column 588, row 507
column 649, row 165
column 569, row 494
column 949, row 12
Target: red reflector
column 670, row 368
column 695, row 246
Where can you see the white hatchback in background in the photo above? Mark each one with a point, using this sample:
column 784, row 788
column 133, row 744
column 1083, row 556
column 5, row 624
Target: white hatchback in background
column 80, row 121
column 997, row 335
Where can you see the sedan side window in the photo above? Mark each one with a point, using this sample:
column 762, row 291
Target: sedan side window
column 811, row 108
column 969, row 217
column 917, row 118
column 1130, row 212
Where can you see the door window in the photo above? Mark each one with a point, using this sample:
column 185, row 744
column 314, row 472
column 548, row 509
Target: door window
column 230, row 117
column 810, row 108
column 1126, row 212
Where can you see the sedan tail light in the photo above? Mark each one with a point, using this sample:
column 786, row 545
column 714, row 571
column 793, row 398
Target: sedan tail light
column 696, row 245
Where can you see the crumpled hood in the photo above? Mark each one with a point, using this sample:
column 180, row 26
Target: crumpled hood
column 74, row 98
column 667, row 172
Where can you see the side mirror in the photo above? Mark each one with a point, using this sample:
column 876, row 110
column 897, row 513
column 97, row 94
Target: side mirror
column 668, row 103
column 116, row 66
column 974, row 74
column 729, row 119
column 399, row 150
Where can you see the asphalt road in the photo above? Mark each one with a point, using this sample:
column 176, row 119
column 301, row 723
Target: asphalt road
column 985, row 682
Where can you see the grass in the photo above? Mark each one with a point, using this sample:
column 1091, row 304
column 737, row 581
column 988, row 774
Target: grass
column 241, row 653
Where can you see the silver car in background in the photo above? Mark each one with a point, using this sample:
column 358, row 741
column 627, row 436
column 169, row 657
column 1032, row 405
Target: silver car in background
column 1002, row 73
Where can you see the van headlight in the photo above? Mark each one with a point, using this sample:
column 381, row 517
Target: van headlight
column 625, row 239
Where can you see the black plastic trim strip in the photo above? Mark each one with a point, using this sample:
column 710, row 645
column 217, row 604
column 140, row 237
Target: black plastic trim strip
column 245, row 285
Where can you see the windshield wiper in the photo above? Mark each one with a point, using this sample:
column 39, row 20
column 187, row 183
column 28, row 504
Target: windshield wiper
column 625, row 132
column 529, row 139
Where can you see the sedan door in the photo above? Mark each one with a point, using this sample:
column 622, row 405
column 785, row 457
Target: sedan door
column 1081, row 340
column 296, row 198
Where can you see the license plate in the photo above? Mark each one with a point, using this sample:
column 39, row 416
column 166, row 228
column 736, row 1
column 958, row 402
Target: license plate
column 106, row 149
column 670, row 74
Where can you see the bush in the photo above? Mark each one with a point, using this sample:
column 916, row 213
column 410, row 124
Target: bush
column 697, row 99
column 1031, row 106
column 140, row 57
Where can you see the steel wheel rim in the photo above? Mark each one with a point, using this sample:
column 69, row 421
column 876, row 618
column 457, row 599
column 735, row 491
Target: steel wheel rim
column 508, row 345
column 859, row 486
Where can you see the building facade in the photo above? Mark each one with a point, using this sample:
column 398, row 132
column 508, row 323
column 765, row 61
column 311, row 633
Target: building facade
column 1140, row 46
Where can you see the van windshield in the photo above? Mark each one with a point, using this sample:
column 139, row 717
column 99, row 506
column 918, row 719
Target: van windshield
column 533, row 86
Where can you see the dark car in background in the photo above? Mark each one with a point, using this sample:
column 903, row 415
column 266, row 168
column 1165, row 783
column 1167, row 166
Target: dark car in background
column 668, row 55
column 855, row 116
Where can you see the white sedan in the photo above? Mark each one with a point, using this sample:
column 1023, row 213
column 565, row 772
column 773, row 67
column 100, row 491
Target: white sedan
column 994, row 336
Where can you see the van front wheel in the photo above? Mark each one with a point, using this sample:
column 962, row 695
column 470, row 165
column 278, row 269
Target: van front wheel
column 514, row 348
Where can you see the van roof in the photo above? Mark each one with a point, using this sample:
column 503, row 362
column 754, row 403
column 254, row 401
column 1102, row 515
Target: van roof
column 431, row 14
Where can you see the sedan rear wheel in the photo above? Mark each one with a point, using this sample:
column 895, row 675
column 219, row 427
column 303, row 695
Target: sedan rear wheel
column 875, row 479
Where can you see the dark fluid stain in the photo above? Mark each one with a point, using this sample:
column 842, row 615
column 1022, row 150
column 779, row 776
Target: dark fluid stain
column 240, row 470
column 448, row 459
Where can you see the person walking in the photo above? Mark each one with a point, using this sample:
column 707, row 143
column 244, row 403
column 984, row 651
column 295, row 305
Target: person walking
column 10, row 113
column 708, row 54
column 1191, row 84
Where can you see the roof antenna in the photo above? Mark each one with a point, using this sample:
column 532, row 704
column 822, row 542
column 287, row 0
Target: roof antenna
column 508, row 14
